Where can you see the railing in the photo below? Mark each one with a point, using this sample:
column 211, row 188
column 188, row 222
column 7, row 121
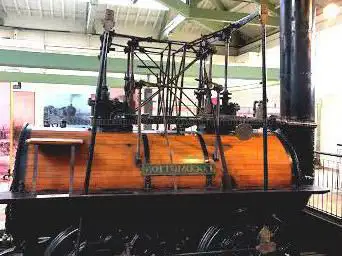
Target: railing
column 328, row 174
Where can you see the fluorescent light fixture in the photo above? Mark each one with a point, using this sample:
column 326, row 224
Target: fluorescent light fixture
column 331, row 11
column 145, row 4
column 173, row 24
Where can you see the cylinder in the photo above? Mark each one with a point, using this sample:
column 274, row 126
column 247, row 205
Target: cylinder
column 168, row 162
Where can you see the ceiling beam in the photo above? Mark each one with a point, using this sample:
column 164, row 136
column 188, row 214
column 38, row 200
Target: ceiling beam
column 212, row 15
column 227, row 16
column 91, row 15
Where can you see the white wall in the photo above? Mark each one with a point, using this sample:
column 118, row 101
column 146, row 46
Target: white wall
column 327, row 80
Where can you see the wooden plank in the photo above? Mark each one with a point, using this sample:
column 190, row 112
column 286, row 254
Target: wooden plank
column 54, row 141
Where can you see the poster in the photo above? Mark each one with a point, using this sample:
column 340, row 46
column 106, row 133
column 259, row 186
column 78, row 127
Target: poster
column 4, row 127
column 72, row 108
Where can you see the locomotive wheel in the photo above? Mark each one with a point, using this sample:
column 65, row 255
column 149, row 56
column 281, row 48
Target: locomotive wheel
column 245, row 240
column 64, row 244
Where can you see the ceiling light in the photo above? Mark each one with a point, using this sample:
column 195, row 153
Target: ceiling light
column 331, row 11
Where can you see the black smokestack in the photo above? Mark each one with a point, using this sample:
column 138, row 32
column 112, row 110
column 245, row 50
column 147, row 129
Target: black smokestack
column 297, row 94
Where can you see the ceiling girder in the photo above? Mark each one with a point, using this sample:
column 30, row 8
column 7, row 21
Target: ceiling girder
column 200, row 14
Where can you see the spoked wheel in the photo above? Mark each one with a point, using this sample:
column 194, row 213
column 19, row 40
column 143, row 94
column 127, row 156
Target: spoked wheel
column 117, row 243
column 64, row 244
column 249, row 240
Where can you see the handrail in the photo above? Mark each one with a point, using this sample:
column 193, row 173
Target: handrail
column 327, row 154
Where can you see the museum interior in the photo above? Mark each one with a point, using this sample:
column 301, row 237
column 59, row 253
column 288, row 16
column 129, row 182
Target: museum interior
column 170, row 127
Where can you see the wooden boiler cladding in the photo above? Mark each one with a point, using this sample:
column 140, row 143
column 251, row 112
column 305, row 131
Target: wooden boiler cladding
column 114, row 166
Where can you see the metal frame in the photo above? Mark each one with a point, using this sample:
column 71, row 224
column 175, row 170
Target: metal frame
column 171, row 91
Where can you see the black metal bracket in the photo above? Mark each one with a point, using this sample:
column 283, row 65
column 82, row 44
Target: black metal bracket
column 148, row 180
column 209, row 177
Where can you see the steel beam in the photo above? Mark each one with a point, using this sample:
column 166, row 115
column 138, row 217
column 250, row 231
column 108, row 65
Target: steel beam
column 201, row 14
column 115, row 65
column 226, row 16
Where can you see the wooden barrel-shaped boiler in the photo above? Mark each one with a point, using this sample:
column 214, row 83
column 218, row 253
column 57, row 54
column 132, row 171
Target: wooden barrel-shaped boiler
column 115, row 166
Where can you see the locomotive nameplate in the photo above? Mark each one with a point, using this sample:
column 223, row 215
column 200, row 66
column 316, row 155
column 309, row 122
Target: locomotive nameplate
column 177, row 169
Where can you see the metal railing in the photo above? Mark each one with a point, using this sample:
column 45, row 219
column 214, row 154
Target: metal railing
column 328, row 174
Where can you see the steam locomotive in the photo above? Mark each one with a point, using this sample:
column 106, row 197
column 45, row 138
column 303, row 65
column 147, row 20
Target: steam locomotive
column 224, row 189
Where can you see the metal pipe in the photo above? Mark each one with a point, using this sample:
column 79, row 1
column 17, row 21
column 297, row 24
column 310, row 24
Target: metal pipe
column 127, row 78
column 167, row 79
column 103, row 60
column 226, row 62
column 131, row 79
column 264, row 104
column 148, row 39
column 181, row 90
column 138, row 154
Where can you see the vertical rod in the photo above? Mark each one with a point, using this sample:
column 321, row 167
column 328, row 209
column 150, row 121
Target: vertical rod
column 181, row 65
column 218, row 106
column 35, row 169
column 138, row 155
column 182, row 84
column 210, row 72
column 103, row 60
column 72, row 168
column 131, row 79
column 127, row 81
column 167, row 71
column 173, row 73
column 200, row 80
column 161, row 83
column 264, row 105
column 226, row 63
column 210, row 79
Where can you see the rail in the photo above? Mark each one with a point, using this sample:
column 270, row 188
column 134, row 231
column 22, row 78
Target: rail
column 328, row 174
